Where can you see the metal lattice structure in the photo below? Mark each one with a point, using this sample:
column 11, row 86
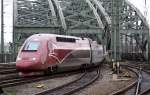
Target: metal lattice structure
column 133, row 27
column 71, row 17
column 76, row 17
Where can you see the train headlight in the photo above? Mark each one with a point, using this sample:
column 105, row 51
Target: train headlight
column 33, row 59
column 19, row 58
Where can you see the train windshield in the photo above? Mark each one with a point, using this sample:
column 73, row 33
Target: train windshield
column 31, row 46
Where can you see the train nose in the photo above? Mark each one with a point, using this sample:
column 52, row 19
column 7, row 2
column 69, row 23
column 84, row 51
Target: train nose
column 24, row 65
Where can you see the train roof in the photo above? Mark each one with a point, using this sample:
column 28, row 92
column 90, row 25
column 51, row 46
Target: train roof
column 60, row 40
column 53, row 35
column 50, row 36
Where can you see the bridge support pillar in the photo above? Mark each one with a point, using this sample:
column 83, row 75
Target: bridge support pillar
column 149, row 46
column 115, row 34
column 2, row 31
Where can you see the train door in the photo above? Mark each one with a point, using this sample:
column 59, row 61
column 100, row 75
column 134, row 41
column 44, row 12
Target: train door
column 52, row 54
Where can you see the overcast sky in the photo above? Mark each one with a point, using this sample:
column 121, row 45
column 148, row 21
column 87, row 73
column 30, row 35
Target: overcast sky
column 8, row 15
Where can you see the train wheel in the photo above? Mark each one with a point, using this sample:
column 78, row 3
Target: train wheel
column 48, row 72
column 84, row 67
column 92, row 65
column 52, row 70
column 55, row 69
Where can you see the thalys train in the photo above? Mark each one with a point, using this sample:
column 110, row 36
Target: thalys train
column 52, row 52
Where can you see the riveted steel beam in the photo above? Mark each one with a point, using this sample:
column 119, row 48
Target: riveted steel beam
column 36, row 13
column 85, row 31
column 133, row 31
column 104, row 13
column 61, row 15
column 15, row 13
column 53, row 12
column 33, row 16
column 144, row 30
column 138, row 13
column 2, row 30
column 78, row 14
column 96, row 14
column 106, row 22
column 148, row 47
column 115, row 34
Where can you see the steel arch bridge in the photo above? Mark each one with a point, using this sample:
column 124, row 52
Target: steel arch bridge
column 90, row 18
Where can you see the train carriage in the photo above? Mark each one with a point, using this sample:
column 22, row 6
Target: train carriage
column 42, row 52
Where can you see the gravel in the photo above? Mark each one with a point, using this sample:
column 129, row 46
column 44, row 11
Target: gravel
column 106, row 85
column 103, row 86
column 31, row 88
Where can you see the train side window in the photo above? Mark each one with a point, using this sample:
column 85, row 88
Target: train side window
column 63, row 39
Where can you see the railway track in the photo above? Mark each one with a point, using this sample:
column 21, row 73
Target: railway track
column 15, row 79
column 7, row 64
column 8, row 71
column 145, row 86
column 143, row 65
column 129, row 88
column 141, row 86
column 73, row 86
column 7, row 68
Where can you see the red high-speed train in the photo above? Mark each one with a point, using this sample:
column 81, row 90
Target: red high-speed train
column 50, row 52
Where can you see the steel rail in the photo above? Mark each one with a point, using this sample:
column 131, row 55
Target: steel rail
column 73, row 86
column 8, row 77
column 138, row 82
column 54, row 89
column 13, row 80
column 5, row 67
column 7, row 64
column 146, row 91
column 123, row 90
column 8, row 71
column 20, row 81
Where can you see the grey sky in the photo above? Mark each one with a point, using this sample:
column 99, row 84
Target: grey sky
column 9, row 9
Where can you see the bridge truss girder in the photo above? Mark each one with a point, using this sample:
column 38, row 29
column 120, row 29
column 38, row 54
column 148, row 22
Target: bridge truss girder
column 74, row 17
column 132, row 22
column 71, row 17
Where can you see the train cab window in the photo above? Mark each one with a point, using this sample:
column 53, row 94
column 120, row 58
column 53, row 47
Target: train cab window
column 31, row 46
